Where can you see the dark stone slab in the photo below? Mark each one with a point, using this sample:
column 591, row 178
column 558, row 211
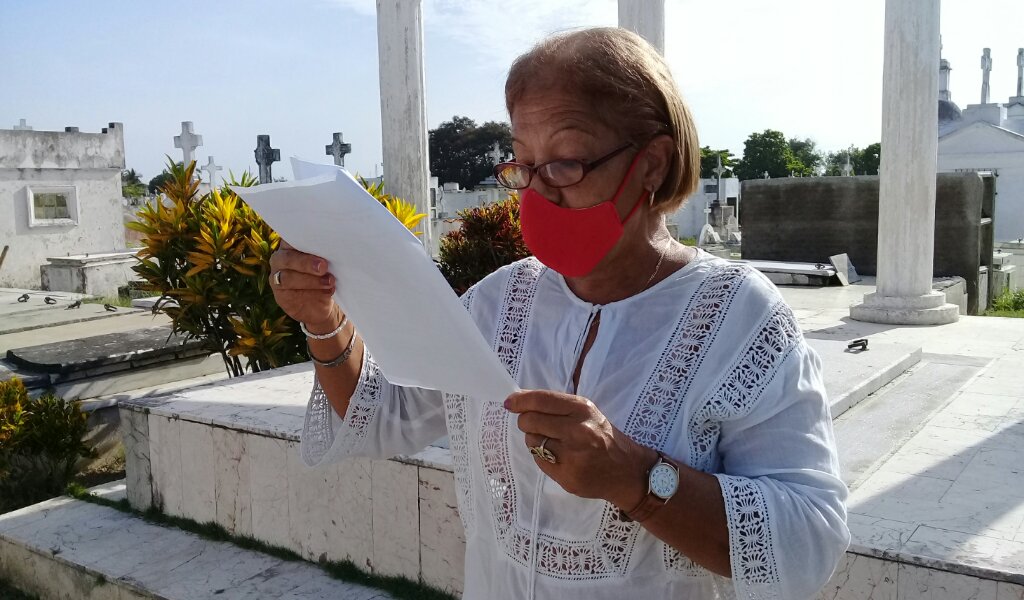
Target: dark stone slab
column 31, row 379
column 809, row 219
column 106, row 353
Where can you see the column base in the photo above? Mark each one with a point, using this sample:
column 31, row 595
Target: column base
column 929, row 309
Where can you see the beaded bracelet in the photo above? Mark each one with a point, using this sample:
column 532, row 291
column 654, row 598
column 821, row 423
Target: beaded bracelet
column 341, row 357
column 326, row 336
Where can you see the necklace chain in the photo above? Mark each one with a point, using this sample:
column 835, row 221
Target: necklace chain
column 657, row 267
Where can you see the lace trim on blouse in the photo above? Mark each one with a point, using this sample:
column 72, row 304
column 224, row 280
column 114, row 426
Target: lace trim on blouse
column 750, row 535
column 458, row 442
column 319, row 434
column 608, row 552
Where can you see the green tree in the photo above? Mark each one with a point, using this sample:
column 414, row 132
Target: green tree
column 131, row 184
column 869, row 159
column 157, row 183
column 459, row 150
column 769, row 152
column 709, row 160
column 805, row 151
column 862, row 161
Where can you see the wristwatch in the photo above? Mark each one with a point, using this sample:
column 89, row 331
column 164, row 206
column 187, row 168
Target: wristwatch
column 662, row 484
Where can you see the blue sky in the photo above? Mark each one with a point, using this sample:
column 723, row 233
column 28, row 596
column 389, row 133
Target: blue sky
column 302, row 69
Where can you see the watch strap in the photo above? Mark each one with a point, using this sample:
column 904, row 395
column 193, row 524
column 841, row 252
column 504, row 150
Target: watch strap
column 650, row 502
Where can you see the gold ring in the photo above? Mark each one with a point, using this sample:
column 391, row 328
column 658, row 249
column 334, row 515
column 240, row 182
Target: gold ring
column 277, row 278
column 543, row 453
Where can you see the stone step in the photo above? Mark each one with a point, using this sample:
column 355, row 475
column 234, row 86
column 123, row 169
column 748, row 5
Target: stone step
column 851, row 375
column 67, row 548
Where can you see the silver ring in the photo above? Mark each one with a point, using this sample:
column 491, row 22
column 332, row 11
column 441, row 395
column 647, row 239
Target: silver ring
column 277, row 278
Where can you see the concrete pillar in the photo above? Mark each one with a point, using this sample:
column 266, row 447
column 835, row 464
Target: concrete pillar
column 403, row 108
column 906, row 211
column 645, row 17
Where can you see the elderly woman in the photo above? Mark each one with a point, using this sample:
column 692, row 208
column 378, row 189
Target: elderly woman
column 673, row 439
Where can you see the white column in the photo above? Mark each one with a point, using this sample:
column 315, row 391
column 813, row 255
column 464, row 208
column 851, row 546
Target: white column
column 403, row 108
column 647, row 18
column 906, row 211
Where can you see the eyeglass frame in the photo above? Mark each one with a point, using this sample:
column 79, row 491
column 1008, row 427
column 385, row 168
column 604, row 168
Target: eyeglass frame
column 587, row 165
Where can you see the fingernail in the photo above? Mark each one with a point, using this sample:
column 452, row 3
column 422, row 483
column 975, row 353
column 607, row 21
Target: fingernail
column 508, row 404
column 326, row 280
column 316, row 266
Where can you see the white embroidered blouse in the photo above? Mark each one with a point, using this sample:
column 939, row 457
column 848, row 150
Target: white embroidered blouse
column 708, row 366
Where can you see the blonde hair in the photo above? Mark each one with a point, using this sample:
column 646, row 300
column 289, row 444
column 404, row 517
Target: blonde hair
column 630, row 87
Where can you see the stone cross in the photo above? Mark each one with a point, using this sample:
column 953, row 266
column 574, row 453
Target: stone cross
column 718, row 172
column 22, row 126
column 765, row 175
column 188, row 141
column 266, row 156
column 211, row 169
column 338, row 149
column 1020, row 72
column 847, row 167
column 495, row 154
column 986, row 69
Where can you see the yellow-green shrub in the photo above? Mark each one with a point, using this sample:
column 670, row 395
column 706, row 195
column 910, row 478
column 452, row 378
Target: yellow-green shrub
column 211, row 255
column 40, row 442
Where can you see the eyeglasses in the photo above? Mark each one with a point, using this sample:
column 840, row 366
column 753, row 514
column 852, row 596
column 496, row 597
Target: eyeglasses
column 557, row 173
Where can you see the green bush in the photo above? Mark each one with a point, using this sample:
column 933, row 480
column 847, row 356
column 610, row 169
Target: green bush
column 40, row 442
column 211, row 254
column 1009, row 302
column 489, row 238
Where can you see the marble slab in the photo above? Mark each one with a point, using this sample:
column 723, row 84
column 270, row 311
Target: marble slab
column 394, row 488
column 93, row 552
column 442, row 539
column 861, row 578
column 232, row 484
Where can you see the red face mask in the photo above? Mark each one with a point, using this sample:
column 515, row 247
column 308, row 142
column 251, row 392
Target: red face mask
column 572, row 241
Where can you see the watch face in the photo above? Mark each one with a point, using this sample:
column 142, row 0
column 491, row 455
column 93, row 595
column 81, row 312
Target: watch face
column 664, row 481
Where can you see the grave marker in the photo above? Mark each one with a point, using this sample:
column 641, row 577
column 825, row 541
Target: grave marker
column 211, row 169
column 188, row 141
column 337, row 149
column 986, row 69
column 265, row 157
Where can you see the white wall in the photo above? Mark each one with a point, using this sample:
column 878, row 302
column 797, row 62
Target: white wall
column 1009, row 187
column 90, row 162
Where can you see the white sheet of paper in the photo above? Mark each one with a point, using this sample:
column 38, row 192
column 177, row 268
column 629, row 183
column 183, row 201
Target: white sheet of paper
column 410, row 319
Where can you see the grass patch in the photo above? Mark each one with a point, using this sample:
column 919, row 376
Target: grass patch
column 9, row 592
column 111, row 300
column 399, row 587
column 1010, row 304
column 688, row 241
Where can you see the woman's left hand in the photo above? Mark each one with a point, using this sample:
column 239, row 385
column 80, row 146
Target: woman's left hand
column 593, row 458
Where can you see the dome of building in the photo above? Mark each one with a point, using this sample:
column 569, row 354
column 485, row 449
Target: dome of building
column 949, row 111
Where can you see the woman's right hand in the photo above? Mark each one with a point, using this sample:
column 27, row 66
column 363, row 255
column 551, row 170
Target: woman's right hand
column 306, row 291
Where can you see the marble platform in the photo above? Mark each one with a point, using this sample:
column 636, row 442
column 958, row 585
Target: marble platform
column 75, row 550
column 228, row 452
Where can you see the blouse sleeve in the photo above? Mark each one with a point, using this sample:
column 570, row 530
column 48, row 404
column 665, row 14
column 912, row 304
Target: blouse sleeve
column 383, row 419
column 784, row 499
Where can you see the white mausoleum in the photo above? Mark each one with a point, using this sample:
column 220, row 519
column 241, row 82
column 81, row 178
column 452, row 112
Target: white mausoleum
column 987, row 136
column 60, row 194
